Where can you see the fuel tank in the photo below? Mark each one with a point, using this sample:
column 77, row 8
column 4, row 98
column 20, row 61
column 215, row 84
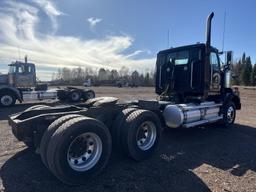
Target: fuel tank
column 177, row 115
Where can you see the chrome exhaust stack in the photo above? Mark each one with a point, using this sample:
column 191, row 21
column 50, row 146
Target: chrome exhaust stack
column 207, row 55
column 208, row 31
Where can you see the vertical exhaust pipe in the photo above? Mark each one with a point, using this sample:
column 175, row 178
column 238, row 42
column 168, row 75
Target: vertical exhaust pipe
column 207, row 55
column 26, row 59
column 208, row 31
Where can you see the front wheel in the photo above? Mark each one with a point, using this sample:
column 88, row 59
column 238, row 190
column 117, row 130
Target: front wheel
column 7, row 99
column 229, row 114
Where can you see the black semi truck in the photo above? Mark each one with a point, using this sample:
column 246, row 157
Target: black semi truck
column 75, row 141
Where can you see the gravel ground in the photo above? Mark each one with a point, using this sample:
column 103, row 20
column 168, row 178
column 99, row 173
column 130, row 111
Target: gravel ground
column 198, row 159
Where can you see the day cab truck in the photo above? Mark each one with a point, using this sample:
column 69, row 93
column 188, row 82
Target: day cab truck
column 75, row 141
column 20, row 84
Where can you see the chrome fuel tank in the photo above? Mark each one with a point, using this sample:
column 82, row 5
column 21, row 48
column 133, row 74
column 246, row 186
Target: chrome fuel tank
column 177, row 115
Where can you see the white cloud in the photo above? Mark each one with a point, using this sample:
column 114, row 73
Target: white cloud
column 18, row 28
column 50, row 9
column 93, row 21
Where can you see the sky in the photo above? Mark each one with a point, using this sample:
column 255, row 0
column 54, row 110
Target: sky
column 116, row 33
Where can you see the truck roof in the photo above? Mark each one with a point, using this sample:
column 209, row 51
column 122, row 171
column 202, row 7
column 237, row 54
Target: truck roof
column 202, row 45
column 20, row 63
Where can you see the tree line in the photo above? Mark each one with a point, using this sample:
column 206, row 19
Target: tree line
column 102, row 76
column 244, row 72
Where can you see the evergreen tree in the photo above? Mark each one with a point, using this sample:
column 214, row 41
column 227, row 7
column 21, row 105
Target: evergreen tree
column 254, row 75
column 243, row 58
column 247, row 71
column 236, row 70
column 147, row 80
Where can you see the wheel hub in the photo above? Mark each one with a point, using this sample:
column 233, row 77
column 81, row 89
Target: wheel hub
column 146, row 135
column 75, row 96
column 84, row 152
column 230, row 114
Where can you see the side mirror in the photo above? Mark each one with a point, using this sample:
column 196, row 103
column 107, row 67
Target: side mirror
column 229, row 58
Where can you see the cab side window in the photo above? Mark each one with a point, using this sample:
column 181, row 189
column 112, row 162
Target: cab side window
column 214, row 61
column 20, row 69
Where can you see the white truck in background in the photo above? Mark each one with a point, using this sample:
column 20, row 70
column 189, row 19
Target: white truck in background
column 20, row 84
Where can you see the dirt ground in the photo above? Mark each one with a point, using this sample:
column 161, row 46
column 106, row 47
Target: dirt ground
column 198, row 159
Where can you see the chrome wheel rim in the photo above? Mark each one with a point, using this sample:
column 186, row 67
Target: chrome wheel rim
column 230, row 114
column 84, row 152
column 6, row 100
column 75, row 96
column 146, row 135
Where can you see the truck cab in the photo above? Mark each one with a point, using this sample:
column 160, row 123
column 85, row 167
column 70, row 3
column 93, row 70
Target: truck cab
column 22, row 75
column 194, row 73
column 182, row 71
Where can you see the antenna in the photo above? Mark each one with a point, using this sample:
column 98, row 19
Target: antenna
column 168, row 38
column 18, row 49
column 224, row 30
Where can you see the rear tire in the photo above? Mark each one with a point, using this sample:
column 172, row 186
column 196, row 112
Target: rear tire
column 49, row 132
column 7, row 99
column 141, row 134
column 75, row 96
column 117, row 127
column 79, row 150
column 89, row 95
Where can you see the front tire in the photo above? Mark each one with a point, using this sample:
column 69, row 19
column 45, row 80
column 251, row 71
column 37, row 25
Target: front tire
column 229, row 114
column 79, row 150
column 7, row 99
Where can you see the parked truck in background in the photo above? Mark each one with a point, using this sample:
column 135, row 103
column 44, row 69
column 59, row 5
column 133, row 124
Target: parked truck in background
column 21, row 84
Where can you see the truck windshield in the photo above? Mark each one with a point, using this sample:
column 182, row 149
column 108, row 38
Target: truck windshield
column 20, row 69
column 179, row 58
column 11, row 69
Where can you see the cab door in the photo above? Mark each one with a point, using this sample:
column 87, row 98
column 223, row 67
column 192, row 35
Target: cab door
column 215, row 76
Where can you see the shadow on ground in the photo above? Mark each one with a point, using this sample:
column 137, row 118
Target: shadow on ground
column 171, row 169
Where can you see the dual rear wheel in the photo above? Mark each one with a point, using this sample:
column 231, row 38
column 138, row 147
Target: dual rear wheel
column 76, row 148
column 139, row 134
